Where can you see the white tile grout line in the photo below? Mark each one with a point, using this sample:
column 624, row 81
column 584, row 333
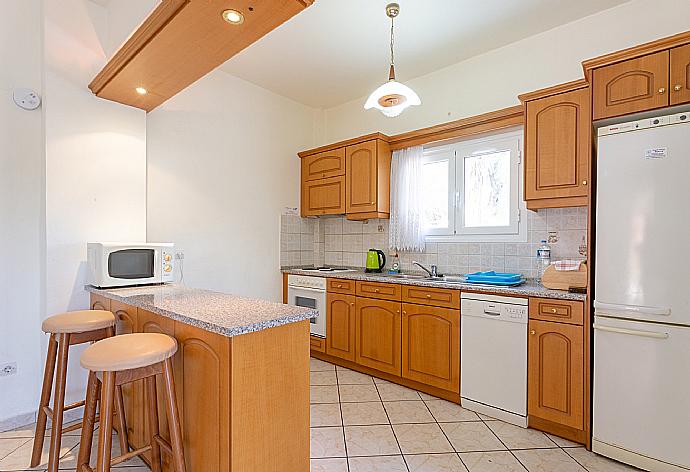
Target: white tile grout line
column 444, row 434
column 391, row 425
column 342, row 420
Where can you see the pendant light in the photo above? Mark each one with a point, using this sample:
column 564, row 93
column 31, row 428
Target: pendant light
column 392, row 97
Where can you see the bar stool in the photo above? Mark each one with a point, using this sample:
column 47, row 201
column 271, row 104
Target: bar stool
column 119, row 360
column 67, row 329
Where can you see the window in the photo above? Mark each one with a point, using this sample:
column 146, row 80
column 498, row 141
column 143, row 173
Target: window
column 472, row 189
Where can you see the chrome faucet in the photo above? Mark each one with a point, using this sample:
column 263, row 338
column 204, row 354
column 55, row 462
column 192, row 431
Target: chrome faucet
column 432, row 273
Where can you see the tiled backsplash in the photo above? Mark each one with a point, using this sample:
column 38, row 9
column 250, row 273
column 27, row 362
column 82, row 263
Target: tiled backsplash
column 337, row 241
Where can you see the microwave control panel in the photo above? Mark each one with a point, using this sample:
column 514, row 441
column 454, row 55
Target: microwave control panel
column 168, row 265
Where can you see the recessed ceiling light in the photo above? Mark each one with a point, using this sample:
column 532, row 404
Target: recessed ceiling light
column 233, row 16
column 141, row 90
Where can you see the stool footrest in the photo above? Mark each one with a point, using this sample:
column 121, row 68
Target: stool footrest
column 129, row 455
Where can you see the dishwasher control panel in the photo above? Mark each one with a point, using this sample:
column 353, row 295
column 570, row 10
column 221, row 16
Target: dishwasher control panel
column 492, row 306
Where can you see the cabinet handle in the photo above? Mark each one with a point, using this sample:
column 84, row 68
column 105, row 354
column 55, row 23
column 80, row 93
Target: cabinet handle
column 584, row 182
column 340, row 286
column 404, row 312
column 428, row 296
column 553, row 310
column 662, row 90
column 397, row 311
column 352, row 304
column 533, row 332
column 678, row 88
column 376, row 290
column 373, row 203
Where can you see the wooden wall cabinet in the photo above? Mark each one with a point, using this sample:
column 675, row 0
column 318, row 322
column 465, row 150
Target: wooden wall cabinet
column 349, row 178
column 645, row 77
column 378, row 335
column 680, row 75
column 557, row 146
column 431, row 346
column 340, row 326
column 556, row 373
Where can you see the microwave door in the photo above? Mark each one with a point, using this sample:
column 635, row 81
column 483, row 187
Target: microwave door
column 133, row 265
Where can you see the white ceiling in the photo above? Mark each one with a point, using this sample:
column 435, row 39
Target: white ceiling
column 337, row 50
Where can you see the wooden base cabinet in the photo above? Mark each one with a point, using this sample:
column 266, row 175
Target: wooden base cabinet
column 431, row 346
column 556, row 373
column 378, row 335
column 340, row 326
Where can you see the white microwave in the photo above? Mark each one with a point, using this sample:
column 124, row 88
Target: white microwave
column 123, row 264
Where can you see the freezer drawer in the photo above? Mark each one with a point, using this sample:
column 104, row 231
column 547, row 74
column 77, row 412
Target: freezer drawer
column 642, row 390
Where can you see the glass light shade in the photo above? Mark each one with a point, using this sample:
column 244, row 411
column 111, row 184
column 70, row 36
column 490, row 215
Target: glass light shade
column 392, row 98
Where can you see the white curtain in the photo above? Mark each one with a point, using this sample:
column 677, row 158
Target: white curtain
column 406, row 225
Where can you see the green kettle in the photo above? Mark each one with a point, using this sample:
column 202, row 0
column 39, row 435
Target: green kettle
column 375, row 260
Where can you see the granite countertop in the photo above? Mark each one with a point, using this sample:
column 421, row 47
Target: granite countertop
column 221, row 313
column 528, row 289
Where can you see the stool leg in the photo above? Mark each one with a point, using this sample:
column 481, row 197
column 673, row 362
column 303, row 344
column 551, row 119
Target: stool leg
column 88, row 422
column 105, row 436
column 173, row 417
column 58, row 403
column 152, row 409
column 121, row 420
column 45, row 401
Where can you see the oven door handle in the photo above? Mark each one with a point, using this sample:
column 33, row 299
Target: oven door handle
column 322, row 290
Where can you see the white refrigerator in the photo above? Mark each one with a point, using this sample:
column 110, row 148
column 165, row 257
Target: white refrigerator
column 641, row 405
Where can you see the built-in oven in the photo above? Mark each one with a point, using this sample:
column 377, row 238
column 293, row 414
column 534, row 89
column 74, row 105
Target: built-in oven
column 309, row 292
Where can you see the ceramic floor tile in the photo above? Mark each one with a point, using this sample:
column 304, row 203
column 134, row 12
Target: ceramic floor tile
column 317, row 365
column 19, row 458
column 421, row 438
column 515, row 437
column 391, row 392
column 447, row 412
column 426, row 396
column 378, row 464
column 435, row 463
column 548, row 460
column 327, row 442
column 471, row 436
column 323, row 378
column 562, row 442
column 69, row 460
column 20, row 432
column 492, row 462
column 326, row 465
column 324, row 394
column 596, row 463
column 379, row 381
column 325, row 414
column 361, row 414
column 350, row 377
column 408, row 412
column 370, row 441
column 9, row 445
column 358, row 393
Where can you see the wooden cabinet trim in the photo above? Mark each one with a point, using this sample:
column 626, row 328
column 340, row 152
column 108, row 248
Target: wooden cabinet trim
column 380, row 290
column 562, row 311
column 441, row 297
column 679, row 86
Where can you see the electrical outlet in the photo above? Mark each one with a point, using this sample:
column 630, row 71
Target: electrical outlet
column 179, row 255
column 8, row 369
column 379, row 228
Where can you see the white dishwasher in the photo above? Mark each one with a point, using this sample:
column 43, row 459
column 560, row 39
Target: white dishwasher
column 493, row 356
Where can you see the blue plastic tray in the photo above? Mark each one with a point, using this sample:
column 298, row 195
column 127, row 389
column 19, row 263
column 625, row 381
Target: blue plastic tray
column 496, row 283
column 493, row 277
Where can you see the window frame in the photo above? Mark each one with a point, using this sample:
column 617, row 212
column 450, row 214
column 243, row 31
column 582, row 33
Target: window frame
column 516, row 231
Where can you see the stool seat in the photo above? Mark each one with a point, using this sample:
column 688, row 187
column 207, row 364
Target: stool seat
column 78, row 321
column 128, row 351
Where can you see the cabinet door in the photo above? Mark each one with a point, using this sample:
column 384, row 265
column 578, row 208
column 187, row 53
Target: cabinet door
column 340, row 326
column 558, row 146
column 148, row 322
column 99, row 303
column 132, row 394
column 323, row 197
column 631, row 86
column 324, row 164
column 361, row 177
column 378, row 335
column 555, row 373
column 202, row 383
column 431, row 346
column 680, row 75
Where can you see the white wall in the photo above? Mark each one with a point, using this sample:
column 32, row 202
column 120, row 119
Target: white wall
column 493, row 80
column 221, row 166
column 21, row 208
column 95, row 159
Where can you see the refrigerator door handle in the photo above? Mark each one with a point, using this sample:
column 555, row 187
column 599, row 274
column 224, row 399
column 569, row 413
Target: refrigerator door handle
column 615, row 308
column 632, row 332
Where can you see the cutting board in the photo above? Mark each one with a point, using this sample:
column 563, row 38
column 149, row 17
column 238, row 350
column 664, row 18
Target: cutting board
column 565, row 279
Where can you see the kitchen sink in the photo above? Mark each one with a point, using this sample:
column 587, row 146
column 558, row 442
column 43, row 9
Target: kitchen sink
column 407, row 276
column 442, row 279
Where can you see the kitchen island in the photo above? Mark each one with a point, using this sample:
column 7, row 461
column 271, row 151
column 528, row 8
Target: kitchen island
column 241, row 374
